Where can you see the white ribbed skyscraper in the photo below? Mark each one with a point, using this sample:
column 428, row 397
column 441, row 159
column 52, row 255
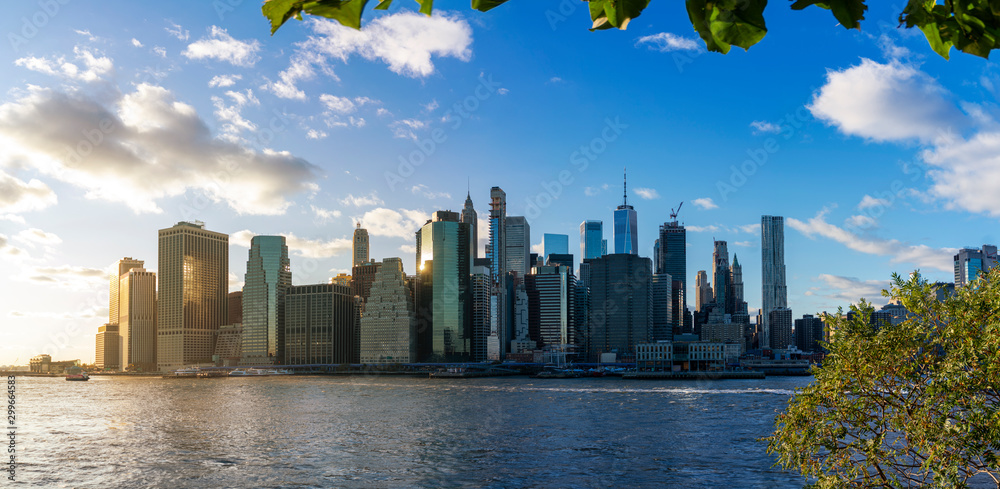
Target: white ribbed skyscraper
column 774, row 293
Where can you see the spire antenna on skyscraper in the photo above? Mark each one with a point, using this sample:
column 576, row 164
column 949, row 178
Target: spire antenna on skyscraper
column 625, row 186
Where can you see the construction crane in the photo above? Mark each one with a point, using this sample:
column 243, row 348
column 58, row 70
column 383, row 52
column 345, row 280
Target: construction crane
column 673, row 213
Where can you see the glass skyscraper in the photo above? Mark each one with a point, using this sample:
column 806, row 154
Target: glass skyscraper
column 591, row 237
column 443, row 293
column 626, row 227
column 673, row 261
column 970, row 262
column 268, row 278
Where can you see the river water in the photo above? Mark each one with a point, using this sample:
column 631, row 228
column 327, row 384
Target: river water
column 319, row 431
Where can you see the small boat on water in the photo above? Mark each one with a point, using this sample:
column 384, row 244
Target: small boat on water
column 76, row 373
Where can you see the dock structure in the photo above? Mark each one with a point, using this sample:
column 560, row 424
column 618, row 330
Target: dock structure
column 701, row 375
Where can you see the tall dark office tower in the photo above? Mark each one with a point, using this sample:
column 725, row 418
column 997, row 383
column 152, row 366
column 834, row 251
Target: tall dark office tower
column 496, row 252
column 480, row 285
column 780, row 322
column 518, row 238
column 192, row 302
column 808, row 333
column 320, row 324
column 626, row 228
column 621, row 304
column 673, row 261
column 362, row 277
column 268, row 277
column 591, row 239
column 720, row 275
column 235, row 315
column 656, row 254
column 552, row 318
column 774, row 293
column 443, row 294
column 662, row 326
column 470, row 217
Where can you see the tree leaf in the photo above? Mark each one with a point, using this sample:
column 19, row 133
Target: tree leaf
column 426, row 6
column 347, row 12
column 849, row 13
column 484, row 5
column 383, row 5
column 723, row 23
column 615, row 13
column 279, row 11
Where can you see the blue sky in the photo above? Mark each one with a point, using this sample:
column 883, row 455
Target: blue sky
column 880, row 154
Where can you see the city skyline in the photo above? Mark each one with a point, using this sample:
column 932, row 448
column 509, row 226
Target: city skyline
column 330, row 151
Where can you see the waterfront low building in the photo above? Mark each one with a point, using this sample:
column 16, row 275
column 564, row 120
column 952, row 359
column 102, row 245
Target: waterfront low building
column 684, row 356
column 44, row 364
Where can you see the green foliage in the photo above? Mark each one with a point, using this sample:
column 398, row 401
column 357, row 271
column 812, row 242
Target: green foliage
column 913, row 404
column 971, row 26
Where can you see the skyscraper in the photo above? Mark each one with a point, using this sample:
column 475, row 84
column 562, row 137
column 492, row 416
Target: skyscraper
column 470, row 217
column 673, row 261
column 780, row 323
column 193, row 269
column 480, row 285
column 555, row 243
column 388, row 326
column 703, row 291
column 808, row 333
column 443, row 295
column 268, row 277
column 496, row 252
column 735, row 295
column 591, row 237
column 970, row 262
column 720, row 275
column 320, row 323
column 359, row 246
column 108, row 354
column 551, row 292
column 661, row 326
column 117, row 270
column 621, row 304
column 137, row 319
column 626, row 228
column 774, row 293
column 518, row 245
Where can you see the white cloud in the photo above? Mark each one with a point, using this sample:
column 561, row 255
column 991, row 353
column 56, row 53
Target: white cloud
column 407, row 248
column 764, row 127
column 859, row 221
column 178, row 32
column 424, row 190
column 594, row 191
column 233, row 122
column 431, row 106
column 314, row 134
column 646, row 193
column 868, row 201
column 136, row 43
column 340, row 105
column 555, row 79
column 745, row 244
column 702, row 229
column 502, row 91
column 361, row 200
column 235, row 284
column 147, row 146
column 920, row 255
column 66, row 276
column 160, row 51
column 392, row 223
column 666, row 42
column 19, row 196
column 223, row 81
column 325, row 214
column 405, row 128
column 300, row 68
column 305, row 247
column 967, row 173
column 406, row 41
column 34, row 236
column 705, row 203
column 886, row 102
column 90, row 68
column 220, row 46
column 851, row 289
column 9, row 251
